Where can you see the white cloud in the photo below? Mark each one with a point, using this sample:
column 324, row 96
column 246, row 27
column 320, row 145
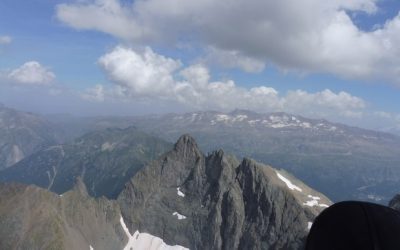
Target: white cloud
column 235, row 59
column 32, row 73
column 5, row 40
column 149, row 76
column 97, row 93
column 314, row 36
column 141, row 74
column 108, row 16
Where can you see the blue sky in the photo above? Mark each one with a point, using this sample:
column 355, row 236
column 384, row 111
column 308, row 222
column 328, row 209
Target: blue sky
column 337, row 60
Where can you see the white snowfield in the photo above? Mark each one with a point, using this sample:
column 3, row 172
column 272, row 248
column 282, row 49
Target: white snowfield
column 314, row 202
column 145, row 241
column 288, row 183
column 180, row 193
column 180, row 217
column 90, row 247
column 309, row 225
column 272, row 121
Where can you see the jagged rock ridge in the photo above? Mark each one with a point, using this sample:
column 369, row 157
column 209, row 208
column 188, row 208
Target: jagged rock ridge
column 217, row 202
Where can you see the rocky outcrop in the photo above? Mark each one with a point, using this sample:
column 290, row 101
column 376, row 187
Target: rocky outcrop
column 217, row 202
column 33, row 218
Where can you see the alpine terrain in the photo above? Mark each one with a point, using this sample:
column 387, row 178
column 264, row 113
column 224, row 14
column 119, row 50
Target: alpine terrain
column 182, row 200
column 341, row 161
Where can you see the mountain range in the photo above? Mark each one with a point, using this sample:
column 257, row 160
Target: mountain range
column 184, row 199
column 341, row 161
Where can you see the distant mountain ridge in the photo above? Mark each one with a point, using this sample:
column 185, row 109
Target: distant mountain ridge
column 342, row 161
column 105, row 160
column 21, row 134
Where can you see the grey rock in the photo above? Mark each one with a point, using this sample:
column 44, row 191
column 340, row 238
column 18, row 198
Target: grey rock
column 33, row 218
column 226, row 204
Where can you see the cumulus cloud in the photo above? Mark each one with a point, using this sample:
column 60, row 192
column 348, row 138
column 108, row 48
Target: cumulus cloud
column 31, row 73
column 140, row 74
column 314, row 36
column 96, row 93
column 235, row 59
column 146, row 75
column 5, row 40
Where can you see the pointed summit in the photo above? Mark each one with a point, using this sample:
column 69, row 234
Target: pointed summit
column 187, row 146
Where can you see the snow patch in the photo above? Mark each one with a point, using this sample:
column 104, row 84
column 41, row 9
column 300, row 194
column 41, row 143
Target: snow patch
column 314, row 197
column 193, row 118
column 146, row 241
column 180, row 217
column 333, row 128
column 314, row 202
column 253, row 122
column 90, row 247
column 288, row 183
column 240, row 118
column 107, row 146
column 16, row 155
column 221, row 118
column 309, row 225
column 180, row 193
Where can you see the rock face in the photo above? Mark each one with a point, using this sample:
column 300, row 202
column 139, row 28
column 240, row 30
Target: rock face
column 217, row 202
column 33, row 218
column 22, row 134
column 105, row 160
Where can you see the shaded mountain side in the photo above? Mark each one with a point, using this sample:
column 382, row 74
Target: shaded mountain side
column 341, row 161
column 217, row 202
column 33, row 218
column 105, row 160
column 22, row 134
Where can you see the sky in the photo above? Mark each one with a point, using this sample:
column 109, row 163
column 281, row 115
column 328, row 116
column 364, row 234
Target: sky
column 338, row 60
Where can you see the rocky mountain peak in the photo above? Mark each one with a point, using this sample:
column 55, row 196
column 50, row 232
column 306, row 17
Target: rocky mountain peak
column 187, row 146
column 216, row 202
